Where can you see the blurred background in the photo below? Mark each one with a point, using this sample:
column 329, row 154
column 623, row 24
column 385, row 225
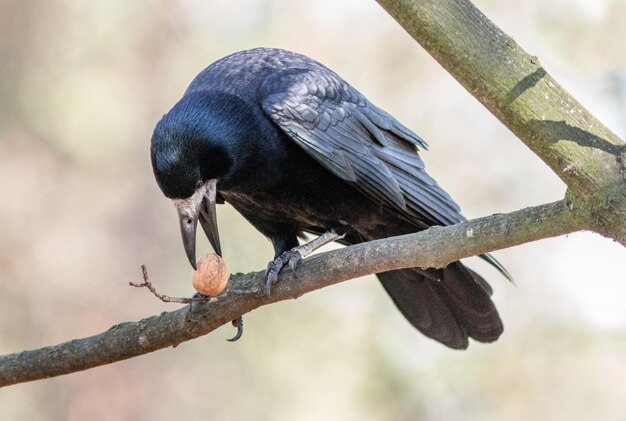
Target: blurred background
column 82, row 85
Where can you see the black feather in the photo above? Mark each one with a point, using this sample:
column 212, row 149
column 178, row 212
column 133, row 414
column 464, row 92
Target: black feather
column 295, row 148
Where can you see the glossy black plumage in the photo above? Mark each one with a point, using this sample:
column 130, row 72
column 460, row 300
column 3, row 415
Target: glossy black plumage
column 295, row 148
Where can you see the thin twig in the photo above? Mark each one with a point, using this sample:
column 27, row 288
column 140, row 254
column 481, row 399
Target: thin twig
column 166, row 298
column 237, row 323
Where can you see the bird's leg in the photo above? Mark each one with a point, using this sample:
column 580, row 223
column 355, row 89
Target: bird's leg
column 295, row 255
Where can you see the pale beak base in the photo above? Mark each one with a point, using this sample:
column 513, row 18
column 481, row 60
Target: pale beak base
column 200, row 206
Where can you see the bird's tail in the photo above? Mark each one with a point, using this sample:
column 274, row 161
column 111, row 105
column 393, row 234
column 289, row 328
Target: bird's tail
column 448, row 305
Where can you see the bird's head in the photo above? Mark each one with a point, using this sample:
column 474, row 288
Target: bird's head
column 192, row 150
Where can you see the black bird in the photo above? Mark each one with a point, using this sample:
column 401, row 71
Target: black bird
column 295, row 148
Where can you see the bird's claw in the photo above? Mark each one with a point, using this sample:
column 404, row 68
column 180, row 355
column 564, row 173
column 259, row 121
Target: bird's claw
column 295, row 257
column 292, row 258
column 238, row 322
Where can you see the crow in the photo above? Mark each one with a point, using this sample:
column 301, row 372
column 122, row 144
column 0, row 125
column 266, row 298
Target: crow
column 296, row 149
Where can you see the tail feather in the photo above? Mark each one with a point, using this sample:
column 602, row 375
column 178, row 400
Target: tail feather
column 422, row 301
column 471, row 304
column 449, row 305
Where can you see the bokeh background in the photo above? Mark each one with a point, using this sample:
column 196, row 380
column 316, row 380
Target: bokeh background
column 82, row 85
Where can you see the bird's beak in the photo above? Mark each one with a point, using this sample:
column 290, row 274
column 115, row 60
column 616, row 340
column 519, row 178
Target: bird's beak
column 208, row 216
column 200, row 206
column 188, row 224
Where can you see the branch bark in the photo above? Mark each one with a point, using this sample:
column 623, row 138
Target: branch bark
column 514, row 86
column 433, row 248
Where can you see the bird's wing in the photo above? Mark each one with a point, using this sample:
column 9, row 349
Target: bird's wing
column 357, row 142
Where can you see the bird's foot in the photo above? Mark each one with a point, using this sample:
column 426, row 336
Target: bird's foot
column 294, row 256
column 290, row 257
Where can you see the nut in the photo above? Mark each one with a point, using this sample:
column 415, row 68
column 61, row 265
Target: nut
column 212, row 275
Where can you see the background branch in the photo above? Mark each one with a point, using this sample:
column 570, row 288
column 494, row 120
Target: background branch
column 435, row 247
column 514, row 86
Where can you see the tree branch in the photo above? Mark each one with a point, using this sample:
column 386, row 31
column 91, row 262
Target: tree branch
column 435, row 247
column 514, row 86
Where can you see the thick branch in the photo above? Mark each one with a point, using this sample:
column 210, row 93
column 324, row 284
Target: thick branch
column 435, row 247
column 514, row 86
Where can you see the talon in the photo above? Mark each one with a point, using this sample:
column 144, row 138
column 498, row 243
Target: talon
column 272, row 278
column 271, row 275
column 238, row 323
column 294, row 260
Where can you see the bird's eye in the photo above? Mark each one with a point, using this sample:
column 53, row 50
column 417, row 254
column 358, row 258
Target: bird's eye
column 189, row 220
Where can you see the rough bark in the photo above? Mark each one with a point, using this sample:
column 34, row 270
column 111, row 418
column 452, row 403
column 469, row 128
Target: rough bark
column 435, row 248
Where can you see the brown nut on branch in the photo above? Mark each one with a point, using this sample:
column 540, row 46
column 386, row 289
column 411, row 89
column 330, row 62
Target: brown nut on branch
column 212, row 275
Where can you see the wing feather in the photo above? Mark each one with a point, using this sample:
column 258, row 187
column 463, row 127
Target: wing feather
column 359, row 143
